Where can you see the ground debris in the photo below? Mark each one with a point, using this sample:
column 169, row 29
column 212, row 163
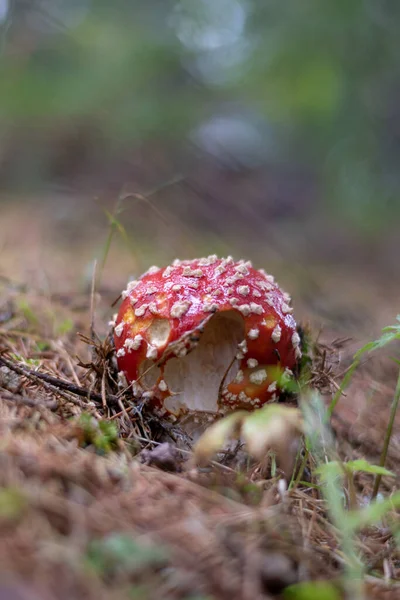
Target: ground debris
column 278, row 571
column 164, row 456
column 71, row 504
column 9, row 380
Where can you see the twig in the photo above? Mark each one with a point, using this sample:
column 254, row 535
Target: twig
column 118, row 209
column 59, row 347
column 345, row 383
column 92, row 302
column 26, row 401
column 57, row 383
column 388, row 435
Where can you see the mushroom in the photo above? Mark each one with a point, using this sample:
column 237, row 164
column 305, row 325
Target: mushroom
column 208, row 335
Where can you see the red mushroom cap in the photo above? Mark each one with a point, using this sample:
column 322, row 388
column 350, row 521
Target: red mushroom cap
column 206, row 334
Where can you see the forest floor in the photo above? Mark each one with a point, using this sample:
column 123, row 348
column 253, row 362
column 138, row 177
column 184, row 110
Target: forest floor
column 90, row 509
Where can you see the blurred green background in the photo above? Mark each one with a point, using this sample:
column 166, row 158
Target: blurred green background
column 259, row 126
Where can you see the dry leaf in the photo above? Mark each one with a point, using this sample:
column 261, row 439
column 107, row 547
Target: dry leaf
column 273, row 427
column 214, row 438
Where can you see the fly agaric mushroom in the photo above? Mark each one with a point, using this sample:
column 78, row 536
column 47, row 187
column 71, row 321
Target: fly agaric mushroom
column 206, row 335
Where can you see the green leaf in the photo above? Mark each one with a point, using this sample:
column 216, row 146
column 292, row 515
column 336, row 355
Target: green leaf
column 366, row 467
column 42, row 346
column 330, row 469
column 389, row 334
column 122, row 553
column 27, row 311
column 64, row 327
column 32, row 362
column 103, row 435
column 12, row 503
column 372, row 514
column 312, row 590
column 338, row 468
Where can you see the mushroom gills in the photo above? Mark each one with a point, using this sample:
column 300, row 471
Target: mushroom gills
column 195, row 379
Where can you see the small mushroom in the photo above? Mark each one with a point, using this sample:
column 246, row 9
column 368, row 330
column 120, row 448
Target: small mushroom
column 208, row 334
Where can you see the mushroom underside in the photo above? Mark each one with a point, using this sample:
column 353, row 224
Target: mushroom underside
column 195, row 379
